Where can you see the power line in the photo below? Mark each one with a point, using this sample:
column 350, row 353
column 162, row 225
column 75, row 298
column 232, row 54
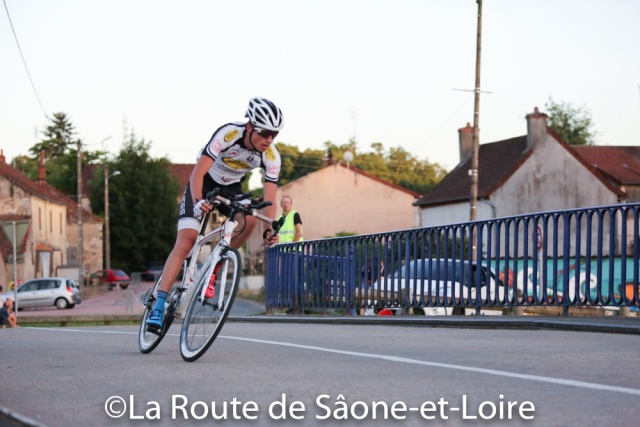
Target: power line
column 23, row 60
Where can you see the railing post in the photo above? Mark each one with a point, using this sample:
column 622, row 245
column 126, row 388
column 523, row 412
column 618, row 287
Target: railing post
column 566, row 249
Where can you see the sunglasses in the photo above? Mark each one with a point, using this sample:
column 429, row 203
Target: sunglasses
column 264, row 133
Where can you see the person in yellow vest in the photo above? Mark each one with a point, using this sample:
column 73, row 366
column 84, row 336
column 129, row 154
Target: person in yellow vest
column 291, row 231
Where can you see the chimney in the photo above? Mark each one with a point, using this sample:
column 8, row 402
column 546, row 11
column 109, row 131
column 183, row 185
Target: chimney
column 2, row 159
column 465, row 136
column 42, row 171
column 536, row 127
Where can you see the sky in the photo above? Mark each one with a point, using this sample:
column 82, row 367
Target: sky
column 399, row 72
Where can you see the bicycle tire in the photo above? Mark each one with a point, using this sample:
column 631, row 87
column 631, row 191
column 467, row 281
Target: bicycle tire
column 148, row 341
column 204, row 319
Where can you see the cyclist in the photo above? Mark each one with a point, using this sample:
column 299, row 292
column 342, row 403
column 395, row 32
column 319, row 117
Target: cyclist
column 224, row 162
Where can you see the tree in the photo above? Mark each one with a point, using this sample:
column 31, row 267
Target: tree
column 59, row 136
column 143, row 207
column 571, row 123
column 296, row 164
column 61, row 155
column 397, row 165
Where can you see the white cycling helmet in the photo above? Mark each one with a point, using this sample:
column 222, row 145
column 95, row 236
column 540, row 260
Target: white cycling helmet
column 264, row 114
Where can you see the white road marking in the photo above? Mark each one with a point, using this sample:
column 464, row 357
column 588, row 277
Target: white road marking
column 395, row 359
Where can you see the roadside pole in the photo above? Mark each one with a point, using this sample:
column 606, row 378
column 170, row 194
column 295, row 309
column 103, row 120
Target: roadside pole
column 15, row 272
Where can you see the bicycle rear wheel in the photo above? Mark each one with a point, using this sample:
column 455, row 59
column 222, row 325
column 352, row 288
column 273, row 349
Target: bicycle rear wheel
column 204, row 319
column 148, row 341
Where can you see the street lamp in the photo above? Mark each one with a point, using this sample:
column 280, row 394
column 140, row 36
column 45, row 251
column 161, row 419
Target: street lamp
column 107, row 237
column 80, row 227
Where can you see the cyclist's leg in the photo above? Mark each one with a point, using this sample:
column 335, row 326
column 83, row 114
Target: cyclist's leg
column 184, row 242
column 188, row 227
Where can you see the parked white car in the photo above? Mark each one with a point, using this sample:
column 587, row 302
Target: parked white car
column 60, row 292
column 433, row 281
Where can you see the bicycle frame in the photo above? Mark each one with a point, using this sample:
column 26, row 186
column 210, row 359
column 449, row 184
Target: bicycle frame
column 227, row 229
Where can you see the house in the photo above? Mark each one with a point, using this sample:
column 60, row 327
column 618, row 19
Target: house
column 338, row 198
column 536, row 172
column 45, row 222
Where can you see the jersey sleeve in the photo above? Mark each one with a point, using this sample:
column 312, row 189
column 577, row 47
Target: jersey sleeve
column 221, row 139
column 271, row 164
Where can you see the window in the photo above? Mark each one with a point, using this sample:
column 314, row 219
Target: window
column 44, row 285
column 51, row 221
column 39, row 218
column 28, row 287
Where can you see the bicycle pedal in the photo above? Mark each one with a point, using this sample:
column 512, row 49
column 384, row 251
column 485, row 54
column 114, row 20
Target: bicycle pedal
column 154, row 330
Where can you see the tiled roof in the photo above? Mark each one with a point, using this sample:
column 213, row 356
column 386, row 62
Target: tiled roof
column 621, row 164
column 32, row 187
column 497, row 162
column 45, row 191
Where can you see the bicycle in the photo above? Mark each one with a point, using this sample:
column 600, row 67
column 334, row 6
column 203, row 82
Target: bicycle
column 203, row 317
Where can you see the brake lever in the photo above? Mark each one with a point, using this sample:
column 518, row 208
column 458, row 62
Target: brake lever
column 263, row 205
column 211, row 195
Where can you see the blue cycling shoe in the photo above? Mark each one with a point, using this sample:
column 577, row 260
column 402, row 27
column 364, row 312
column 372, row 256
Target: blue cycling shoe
column 155, row 319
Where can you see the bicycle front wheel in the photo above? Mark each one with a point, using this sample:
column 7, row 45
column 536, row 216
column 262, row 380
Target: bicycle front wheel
column 205, row 317
column 148, row 341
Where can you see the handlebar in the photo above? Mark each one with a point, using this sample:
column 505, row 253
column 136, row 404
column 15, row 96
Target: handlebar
column 244, row 203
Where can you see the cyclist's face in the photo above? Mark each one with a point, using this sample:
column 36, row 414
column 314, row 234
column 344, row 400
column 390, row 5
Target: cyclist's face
column 260, row 143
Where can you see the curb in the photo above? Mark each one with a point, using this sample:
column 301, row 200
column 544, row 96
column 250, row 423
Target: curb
column 605, row 324
column 106, row 319
column 596, row 324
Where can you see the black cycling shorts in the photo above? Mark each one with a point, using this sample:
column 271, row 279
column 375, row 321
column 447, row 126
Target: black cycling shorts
column 186, row 219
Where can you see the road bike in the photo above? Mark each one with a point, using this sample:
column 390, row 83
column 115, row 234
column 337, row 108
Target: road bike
column 202, row 317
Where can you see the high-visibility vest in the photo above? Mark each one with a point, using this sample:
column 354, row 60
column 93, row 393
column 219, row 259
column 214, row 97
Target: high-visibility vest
column 288, row 230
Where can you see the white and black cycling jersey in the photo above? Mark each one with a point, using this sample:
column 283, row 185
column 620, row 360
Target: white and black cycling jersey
column 232, row 161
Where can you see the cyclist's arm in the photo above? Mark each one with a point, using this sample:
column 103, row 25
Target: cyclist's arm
column 270, row 190
column 197, row 176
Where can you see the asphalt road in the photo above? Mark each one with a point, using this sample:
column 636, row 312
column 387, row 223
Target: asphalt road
column 69, row 376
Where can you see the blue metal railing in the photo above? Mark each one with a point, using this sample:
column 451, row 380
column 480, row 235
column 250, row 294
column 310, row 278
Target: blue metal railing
column 572, row 258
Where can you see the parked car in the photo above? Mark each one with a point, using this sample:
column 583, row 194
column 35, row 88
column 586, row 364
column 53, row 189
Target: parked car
column 48, row 292
column 440, row 280
column 152, row 273
column 112, row 278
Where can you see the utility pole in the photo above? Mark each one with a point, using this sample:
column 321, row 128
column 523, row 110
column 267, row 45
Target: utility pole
column 107, row 237
column 473, row 172
column 80, row 242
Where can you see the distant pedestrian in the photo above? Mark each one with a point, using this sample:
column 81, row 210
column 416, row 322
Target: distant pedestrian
column 291, row 230
column 7, row 316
